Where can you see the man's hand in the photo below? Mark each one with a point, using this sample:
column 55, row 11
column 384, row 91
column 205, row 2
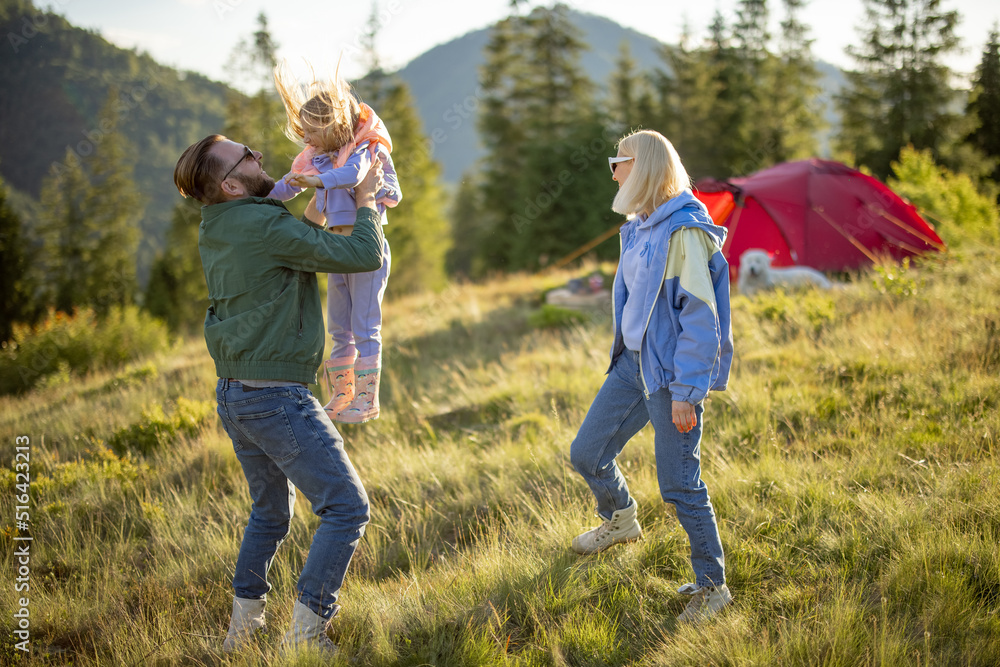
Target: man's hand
column 303, row 181
column 364, row 194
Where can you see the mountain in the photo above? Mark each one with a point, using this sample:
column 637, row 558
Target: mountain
column 54, row 80
column 445, row 83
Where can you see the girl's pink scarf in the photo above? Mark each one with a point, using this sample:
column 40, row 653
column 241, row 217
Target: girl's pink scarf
column 369, row 128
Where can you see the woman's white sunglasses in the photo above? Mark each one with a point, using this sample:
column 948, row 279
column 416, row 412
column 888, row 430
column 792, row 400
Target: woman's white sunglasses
column 613, row 162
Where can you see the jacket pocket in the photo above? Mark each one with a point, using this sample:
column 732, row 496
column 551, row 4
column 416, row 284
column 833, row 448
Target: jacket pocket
column 302, row 306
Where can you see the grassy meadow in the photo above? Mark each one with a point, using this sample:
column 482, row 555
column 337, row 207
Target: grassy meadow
column 852, row 465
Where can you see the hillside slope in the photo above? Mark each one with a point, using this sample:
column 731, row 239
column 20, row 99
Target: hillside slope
column 54, row 80
column 851, row 462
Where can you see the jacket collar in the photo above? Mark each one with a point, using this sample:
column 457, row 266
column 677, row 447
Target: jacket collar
column 212, row 211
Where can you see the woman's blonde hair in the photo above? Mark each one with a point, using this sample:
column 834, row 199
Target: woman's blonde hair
column 327, row 106
column 657, row 173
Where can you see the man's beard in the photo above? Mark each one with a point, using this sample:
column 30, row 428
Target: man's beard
column 258, row 185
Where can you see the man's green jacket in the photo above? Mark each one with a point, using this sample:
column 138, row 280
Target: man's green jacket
column 265, row 320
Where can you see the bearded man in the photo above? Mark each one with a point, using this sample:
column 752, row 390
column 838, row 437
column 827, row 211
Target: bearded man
column 264, row 330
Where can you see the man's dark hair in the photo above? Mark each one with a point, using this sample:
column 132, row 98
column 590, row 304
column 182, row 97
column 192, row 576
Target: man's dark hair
column 198, row 171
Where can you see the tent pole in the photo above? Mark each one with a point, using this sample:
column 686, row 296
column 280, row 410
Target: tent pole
column 905, row 246
column 587, row 246
column 856, row 243
column 899, row 223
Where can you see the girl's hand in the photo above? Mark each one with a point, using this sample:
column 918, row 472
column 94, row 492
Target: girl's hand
column 685, row 418
column 303, row 181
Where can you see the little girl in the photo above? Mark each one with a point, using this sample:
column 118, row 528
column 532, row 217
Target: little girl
column 342, row 138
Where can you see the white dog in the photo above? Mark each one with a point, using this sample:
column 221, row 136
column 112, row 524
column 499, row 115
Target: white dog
column 757, row 274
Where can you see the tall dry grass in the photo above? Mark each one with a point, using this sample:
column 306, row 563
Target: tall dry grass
column 852, row 466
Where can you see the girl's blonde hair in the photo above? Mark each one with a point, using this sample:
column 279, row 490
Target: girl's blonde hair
column 657, row 173
column 327, row 106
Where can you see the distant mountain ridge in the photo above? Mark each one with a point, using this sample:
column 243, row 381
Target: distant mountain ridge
column 54, row 80
column 444, row 82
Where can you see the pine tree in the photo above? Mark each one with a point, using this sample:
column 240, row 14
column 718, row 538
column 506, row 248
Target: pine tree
column 90, row 223
column 793, row 86
column 176, row 292
column 542, row 186
column 69, row 237
column 732, row 106
column 767, row 97
column 627, row 88
column 15, row 288
column 762, row 84
column 689, row 113
column 561, row 118
column 468, row 232
column 750, row 35
column 502, row 129
column 984, row 104
column 745, row 83
column 731, row 120
column 257, row 119
column 418, row 228
column 113, row 208
column 900, row 93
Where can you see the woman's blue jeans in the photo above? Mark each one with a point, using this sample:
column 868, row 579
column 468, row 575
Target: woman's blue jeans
column 619, row 411
column 284, row 439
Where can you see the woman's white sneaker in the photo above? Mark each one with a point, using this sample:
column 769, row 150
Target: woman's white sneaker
column 623, row 527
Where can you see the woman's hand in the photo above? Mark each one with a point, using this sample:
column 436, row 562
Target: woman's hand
column 685, row 417
column 303, row 181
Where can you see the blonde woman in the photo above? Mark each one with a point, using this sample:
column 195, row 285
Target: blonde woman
column 672, row 345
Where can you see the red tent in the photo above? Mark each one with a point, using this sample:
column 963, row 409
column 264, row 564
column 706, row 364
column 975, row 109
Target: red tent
column 815, row 213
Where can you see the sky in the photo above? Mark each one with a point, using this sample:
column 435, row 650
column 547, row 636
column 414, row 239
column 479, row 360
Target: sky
column 200, row 35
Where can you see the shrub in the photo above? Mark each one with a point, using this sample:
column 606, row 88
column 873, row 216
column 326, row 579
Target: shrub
column 809, row 311
column 895, row 280
column 952, row 200
column 125, row 379
column 99, row 466
column 73, row 345
column 549, row 316
column 155, row 429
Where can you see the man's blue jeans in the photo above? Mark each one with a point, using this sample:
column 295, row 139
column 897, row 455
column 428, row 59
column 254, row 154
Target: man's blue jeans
column 619, row 411
column 283, row 439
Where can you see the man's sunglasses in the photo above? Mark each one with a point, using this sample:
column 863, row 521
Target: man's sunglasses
column 613, row 162
column 247, row 153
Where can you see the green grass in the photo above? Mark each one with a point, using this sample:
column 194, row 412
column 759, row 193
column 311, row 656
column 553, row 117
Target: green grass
column 851, row 463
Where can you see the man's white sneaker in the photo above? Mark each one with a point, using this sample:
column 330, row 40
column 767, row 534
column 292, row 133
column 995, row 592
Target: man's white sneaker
column 246, row 621
column 623, row 527
column 705, row 602
column 308, row 631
